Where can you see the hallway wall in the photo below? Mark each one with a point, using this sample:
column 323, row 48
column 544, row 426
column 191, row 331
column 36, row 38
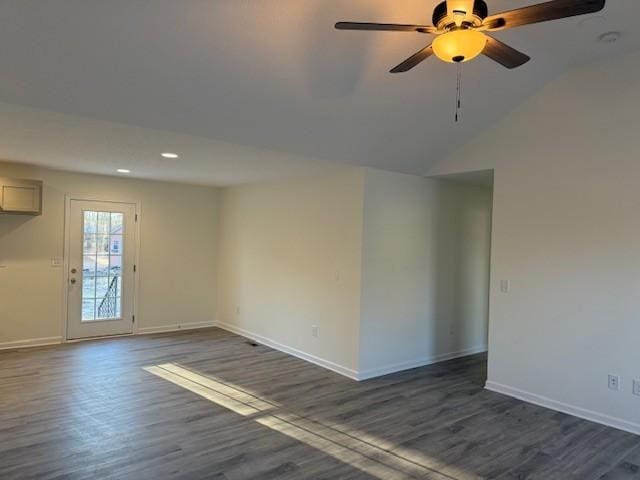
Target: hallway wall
column 425, row 271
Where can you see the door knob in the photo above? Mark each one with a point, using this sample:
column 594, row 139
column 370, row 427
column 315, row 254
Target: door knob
column 73, row 270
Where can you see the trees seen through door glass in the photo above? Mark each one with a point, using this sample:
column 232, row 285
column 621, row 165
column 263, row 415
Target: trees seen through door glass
column 102, row 265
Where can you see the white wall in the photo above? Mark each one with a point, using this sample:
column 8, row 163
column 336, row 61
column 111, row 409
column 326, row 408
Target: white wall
column 289, row 259
column 567, row 235
column 392, row 268
column 178, row 230
column 425, row 271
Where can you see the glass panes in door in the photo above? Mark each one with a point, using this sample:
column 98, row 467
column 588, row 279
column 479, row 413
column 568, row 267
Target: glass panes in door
column 102, row 250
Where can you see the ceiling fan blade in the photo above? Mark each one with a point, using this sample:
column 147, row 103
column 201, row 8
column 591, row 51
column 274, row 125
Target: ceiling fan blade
column 385, row 27
column 543, row 12
column 504, row 54
column 414, row 60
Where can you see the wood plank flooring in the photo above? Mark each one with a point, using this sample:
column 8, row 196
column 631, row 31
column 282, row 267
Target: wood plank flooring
column 207, row 405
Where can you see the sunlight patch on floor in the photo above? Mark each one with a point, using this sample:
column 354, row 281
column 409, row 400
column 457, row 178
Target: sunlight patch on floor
column 365, row 452
column 223, row 394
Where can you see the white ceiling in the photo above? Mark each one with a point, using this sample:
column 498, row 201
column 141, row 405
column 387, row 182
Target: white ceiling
column 269, row 80
column 478, row 178
column 75, row 143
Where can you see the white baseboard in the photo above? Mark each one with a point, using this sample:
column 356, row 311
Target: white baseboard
column 41, row 342
column 580, row 412
column 347, row 372
column 175, row 328
column 30, row 342
column 418, row 362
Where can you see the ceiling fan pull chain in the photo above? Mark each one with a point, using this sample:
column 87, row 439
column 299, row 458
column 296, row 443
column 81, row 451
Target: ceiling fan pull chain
column 458, row 90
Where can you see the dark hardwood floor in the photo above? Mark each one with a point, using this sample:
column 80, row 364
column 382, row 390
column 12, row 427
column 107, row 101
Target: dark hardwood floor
column 207, row 404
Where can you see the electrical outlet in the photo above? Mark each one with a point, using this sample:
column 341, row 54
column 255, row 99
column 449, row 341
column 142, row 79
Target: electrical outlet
column 636, row 387
column 505, row 286
column 614, row 382
column 56, row 262
column 314, row 331
column 237, row 309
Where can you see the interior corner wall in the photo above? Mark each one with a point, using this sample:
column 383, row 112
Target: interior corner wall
column 425, row 271
column 178, row 231
column 566, row 235
column 290, row 254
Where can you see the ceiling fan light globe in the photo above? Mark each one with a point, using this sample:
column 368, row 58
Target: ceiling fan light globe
column 459, row 45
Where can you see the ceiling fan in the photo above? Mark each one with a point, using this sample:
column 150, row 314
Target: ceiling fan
column 461, row 28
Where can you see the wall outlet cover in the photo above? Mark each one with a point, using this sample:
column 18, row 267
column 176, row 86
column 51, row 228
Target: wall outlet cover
column 614, row 382
column 636, row 387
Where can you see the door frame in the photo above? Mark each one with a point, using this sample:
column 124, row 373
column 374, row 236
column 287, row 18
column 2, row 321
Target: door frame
column 65, row 273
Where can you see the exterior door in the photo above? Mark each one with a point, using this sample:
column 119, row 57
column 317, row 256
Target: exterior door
column 100, row 290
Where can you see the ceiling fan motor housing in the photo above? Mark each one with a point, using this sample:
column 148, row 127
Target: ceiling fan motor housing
column 441, row 20
column 459, row 28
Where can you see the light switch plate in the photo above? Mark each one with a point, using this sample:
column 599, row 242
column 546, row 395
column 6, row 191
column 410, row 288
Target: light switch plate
column 636, row 387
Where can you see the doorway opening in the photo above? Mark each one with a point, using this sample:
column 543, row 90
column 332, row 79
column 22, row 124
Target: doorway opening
column 465, row 220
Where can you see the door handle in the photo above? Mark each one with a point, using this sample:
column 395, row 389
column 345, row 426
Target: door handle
column 73, row 281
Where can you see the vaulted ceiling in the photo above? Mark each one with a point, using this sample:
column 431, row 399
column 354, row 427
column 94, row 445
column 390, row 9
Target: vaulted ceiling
column 269, row 75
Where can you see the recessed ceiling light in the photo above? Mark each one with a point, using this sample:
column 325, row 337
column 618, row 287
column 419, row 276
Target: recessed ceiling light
column 123, row 170
column 169, row 155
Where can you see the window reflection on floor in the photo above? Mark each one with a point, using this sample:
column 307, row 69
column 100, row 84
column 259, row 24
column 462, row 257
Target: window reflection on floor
column 369, row 454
